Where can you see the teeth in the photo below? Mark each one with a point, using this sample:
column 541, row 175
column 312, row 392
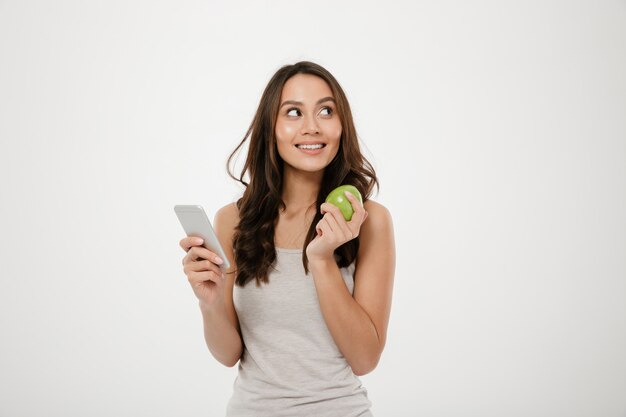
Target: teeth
column 318, row 146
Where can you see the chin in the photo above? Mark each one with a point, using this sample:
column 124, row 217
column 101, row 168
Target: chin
column 309, row 168
column 312, row 169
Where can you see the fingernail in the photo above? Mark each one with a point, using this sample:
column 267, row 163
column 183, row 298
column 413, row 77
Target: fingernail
column 199, row 241
column 348, row 193
column 218, row 260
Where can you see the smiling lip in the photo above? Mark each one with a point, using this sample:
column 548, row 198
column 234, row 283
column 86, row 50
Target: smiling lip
column 311, row 151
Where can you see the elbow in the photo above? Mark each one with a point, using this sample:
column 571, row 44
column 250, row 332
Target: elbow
column 366, row 367
column 363, row 370
column 368, row 363
column 361, row 373
column 235, row 359
column 230, row 362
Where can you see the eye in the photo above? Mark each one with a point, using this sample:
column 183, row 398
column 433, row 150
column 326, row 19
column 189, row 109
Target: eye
column 330, row 110
column 291, row 109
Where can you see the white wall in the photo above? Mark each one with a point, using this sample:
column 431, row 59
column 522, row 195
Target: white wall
column 498, row 132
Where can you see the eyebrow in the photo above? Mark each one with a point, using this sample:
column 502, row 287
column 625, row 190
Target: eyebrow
column 321, row 100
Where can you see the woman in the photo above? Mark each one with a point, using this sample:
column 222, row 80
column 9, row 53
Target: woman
column 315, row 318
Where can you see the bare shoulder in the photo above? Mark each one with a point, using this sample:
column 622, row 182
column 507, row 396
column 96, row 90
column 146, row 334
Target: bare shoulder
column 228, row 215
column 226, row 220
column 376, row 232
column 378, row 216
column 374, row 205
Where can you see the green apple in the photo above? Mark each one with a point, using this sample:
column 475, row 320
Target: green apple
column 339, row 199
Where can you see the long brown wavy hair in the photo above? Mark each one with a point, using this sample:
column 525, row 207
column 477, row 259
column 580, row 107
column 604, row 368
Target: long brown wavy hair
column 253, row 240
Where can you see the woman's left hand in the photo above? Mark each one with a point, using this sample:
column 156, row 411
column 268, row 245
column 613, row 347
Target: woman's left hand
column 333, row 230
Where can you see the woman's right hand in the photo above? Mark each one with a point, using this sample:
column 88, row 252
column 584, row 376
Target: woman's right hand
column 203, row 272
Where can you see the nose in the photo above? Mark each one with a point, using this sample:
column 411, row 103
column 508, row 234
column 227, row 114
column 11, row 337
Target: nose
column 309, row 125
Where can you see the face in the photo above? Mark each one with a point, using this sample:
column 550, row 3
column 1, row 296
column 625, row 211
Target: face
column 307, row 116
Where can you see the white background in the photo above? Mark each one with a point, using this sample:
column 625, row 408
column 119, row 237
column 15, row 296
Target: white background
column 498, row 132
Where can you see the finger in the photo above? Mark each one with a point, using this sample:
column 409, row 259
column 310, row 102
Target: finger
column 205, row 276
column 322, row 227
column 201, row 266
column 194, row 258
column 339, row 222
column 189, row 241
column 200, row 252
column 357, row 206
column 327, row 207
column 353, row 200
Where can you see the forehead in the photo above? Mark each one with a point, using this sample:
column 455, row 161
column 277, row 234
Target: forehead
column 305, row 88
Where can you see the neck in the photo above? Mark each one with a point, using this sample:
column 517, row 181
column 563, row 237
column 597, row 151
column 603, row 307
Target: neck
column 300, row 188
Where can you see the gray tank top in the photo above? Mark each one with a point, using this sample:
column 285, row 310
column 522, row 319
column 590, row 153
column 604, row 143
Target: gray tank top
column 291, row 365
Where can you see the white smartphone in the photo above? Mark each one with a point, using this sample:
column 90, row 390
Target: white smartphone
column 196, row 223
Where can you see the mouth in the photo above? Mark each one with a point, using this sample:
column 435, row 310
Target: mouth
column 311, row 146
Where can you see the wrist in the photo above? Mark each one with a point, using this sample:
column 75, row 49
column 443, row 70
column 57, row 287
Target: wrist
column 209, row 308
column 321, row 261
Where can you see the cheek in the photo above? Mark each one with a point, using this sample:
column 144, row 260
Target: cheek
column 284, row 137
column 285, row 131
column 333, row 132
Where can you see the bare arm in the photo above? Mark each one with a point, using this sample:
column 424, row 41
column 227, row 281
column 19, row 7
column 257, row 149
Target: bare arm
column 214, row 289
column 358, row 322
column 221, row 335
